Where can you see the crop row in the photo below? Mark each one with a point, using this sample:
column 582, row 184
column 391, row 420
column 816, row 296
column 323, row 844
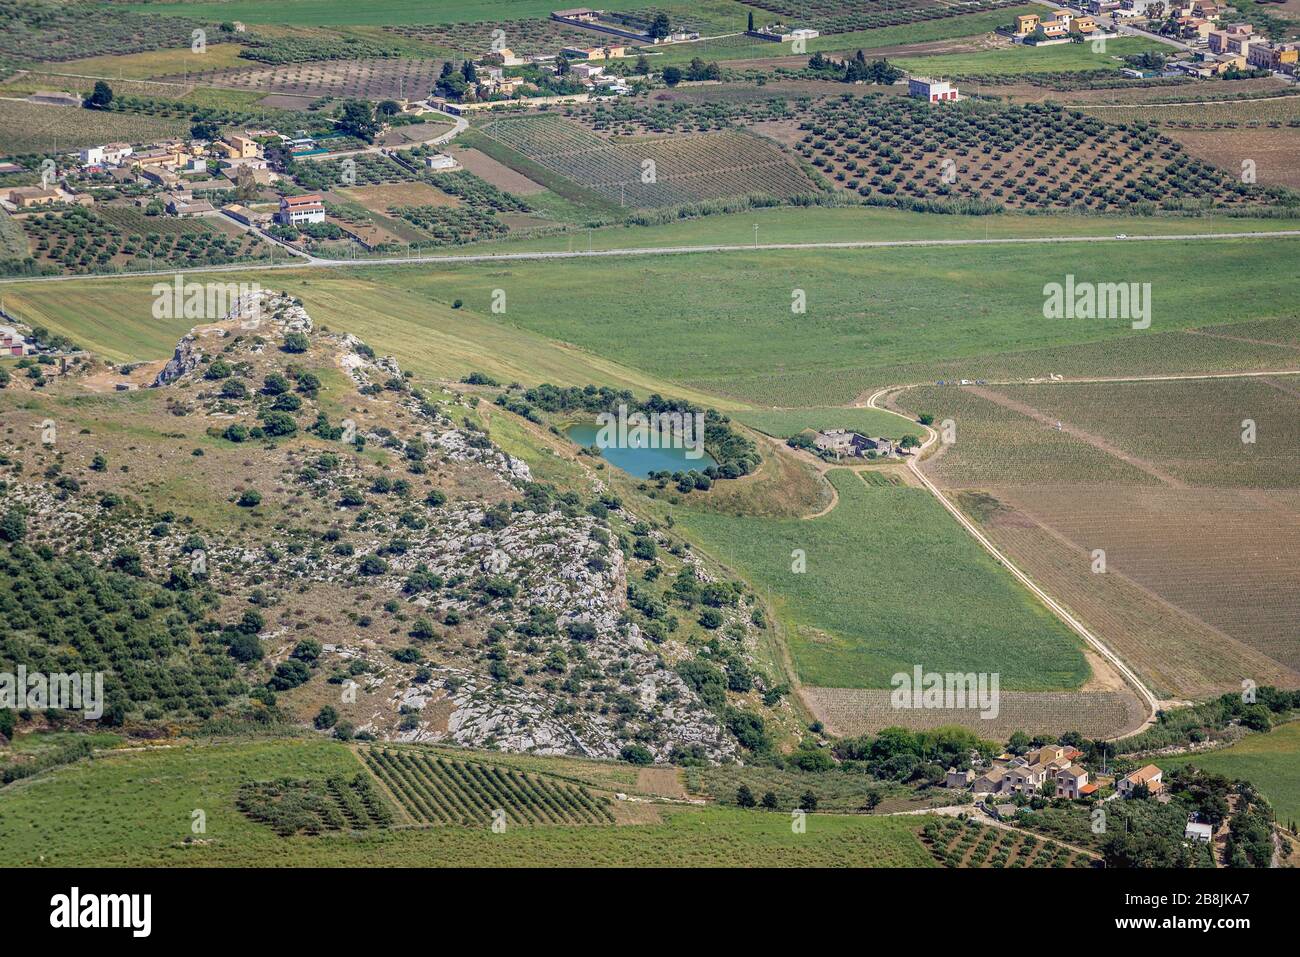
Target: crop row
column 437, row 790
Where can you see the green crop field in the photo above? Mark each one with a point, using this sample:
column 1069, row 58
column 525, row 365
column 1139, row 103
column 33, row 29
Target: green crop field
column 783, row 423
column 892, row 581
column 1269, row 761
column 135, row 810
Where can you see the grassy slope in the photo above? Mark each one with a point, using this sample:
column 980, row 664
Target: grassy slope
column 892, row 582
column 134, row 810
column 1269, row 761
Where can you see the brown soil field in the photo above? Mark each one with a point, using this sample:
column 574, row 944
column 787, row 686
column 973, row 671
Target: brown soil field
column 380, row 198
column 498, row 174
column 1275, row 152
column 854, row 711
column 415, row 133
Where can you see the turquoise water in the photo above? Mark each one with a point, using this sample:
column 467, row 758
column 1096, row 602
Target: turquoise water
column 641, row 462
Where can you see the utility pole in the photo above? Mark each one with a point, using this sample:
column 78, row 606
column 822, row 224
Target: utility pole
column 756, row 235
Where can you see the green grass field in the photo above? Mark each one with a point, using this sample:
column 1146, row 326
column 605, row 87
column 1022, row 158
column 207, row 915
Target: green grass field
column 892, row 581
column 1269, row 761
column 135, row 810
column 874, row 317
column 1070, row 57
column 783, row 423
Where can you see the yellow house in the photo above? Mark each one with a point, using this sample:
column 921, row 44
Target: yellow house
column 1026, row 24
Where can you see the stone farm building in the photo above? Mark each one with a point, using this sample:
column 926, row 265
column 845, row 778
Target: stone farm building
column 844, row 442
column 1054, row 763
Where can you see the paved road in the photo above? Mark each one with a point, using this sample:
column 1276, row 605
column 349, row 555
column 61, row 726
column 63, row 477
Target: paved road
column 452, row 260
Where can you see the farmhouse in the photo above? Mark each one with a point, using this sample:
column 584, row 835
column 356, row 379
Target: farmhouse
column 1025, row 775
column 1199, row 831
column 296, row 210
column 933, row 91
column 844, row 442
column 595, row 53
column 242, row 214
column 586, row 71
column 1070, row 781
column 13, row 343
column 1235, row 39
column 237, row 146
column 26, row 197
column 1150, row 775
column 780, row 33
column 958, row 779
column 439, row 161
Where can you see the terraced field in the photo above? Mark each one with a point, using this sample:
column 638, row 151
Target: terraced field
column 653, row 172
column 437, row 790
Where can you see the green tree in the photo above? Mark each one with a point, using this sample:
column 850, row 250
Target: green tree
column 745, row 797
column 100, row 97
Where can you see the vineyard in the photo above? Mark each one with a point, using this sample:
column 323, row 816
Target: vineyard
column 292, row 807
column 1026, row 157
column 438, row 790
column 957, row 843
column 371, row 78
column 847, row 16
column 28, row 128
column 653, row 172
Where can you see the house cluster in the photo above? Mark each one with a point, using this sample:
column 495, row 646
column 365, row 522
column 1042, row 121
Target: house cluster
column 1054, row 765
column 842, row 442
column 1026, row 774
column 1061, row 26
column 166, row 164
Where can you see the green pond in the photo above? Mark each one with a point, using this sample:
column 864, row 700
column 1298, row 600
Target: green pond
column 642, row 461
